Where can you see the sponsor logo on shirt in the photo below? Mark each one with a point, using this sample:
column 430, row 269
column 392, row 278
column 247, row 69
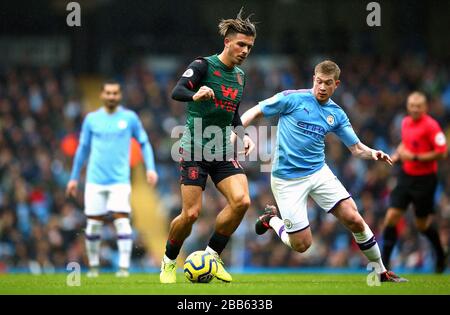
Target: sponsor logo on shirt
column 311, row 129
column 229, row 92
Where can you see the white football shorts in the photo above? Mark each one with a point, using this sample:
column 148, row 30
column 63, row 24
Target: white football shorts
column 292, row 196
column 100, row 199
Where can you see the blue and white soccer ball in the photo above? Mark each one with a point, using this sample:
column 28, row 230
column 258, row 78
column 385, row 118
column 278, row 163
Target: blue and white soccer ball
column 200, row 266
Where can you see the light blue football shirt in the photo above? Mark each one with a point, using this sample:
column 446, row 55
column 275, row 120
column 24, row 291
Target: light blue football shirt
column 302, row 126
column 106, row 139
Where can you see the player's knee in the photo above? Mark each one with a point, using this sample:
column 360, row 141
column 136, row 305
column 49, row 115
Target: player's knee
column 354, row 221
column 301, row 246
column 357, row 224
column 392, row 217
column 191, row 215
column 242, row 202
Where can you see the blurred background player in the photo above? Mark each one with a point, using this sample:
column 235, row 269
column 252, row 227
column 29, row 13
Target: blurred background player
column 213, row 88
column 423, row 144
column 299, row 169
column 105, row 139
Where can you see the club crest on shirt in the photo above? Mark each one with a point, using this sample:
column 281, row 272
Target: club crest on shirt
column 122, row 124
column 239, row 79
column 330, row 120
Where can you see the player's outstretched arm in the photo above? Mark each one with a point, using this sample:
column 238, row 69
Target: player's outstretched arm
column 364, row 152
column 250, row 115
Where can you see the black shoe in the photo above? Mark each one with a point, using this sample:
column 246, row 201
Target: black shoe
column 262, row 223
column 441, row 263
column 390, row 276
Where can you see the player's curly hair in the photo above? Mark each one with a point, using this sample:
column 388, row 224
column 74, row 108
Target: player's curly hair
column 237, row 25
column 328, row 67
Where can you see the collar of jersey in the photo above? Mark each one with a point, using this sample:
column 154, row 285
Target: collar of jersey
column 119, row 108
column 222, row 65
column 327, row 103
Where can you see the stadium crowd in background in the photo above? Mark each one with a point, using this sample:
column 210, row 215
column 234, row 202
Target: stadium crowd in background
column 41, row 112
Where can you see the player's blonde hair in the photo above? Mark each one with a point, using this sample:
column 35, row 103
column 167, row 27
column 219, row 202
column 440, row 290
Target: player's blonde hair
column 328, row 67
column 237, row 25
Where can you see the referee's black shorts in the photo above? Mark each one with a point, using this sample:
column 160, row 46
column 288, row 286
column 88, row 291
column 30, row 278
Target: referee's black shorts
column 418, row 190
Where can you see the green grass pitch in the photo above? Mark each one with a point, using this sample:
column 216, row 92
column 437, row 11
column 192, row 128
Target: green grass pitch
column 243, row 284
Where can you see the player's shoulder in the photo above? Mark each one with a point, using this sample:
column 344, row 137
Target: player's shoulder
column 239, row 70
column 431, row 121
column 200, row 60
column 300, row 94
column 199, row 63
column 126, row 112
column 332, row 104
column 406, row 120
column 95, row 114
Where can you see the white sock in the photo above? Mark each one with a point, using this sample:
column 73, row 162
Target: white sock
column 167, row 260
column 93, row 233
column 124, row 241
column 211, row 251
column 369, row 246
column 278, row 226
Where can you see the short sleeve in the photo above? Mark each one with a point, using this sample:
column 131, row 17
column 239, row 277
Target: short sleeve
column 279, row 104
column 345, row 132
column 437, row 137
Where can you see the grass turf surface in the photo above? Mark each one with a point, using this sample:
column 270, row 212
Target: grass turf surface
column 243, row 284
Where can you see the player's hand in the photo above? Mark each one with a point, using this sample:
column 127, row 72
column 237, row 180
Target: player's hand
column 152, row 178
column 203, row 94
column 405, row 155
column 249, row 145
column 380, row 155
column 72, row 187
column 395, row 157
column 233, row 137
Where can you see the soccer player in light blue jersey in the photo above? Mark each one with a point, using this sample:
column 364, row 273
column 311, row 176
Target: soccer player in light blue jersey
column 299, row 169
column 105, row 139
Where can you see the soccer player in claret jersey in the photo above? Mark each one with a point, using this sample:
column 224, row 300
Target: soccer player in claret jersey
column 423, row 143
column 213, row 88
column 299, row 169
column 106, row 138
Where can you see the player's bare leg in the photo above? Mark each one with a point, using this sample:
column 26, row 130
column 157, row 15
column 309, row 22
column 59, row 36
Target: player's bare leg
column 124, row 242
column 93, row 232
column 179, row 230
column 235, row 190
column 347, row 213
